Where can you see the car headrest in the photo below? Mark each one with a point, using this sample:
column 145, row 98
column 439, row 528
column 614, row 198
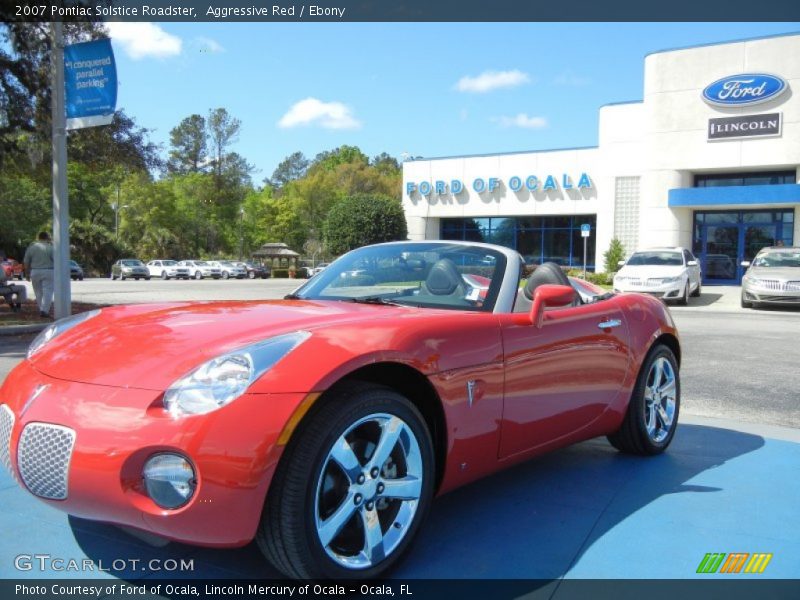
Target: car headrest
column 546, row 273
column 443, row 278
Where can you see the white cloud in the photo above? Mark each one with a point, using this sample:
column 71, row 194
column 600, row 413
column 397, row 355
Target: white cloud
column 521, row 120
column 492, row 80
column 569, row 78
column 208, row 45
column 144, row 40
column 328, row 115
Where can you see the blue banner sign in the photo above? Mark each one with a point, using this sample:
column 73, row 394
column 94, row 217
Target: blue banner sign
column 480, row 185
column 744, row 89
column 90, row 82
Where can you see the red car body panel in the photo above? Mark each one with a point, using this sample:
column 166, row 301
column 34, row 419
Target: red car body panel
column 534, row 389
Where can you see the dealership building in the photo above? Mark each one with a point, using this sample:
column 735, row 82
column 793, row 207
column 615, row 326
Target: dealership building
column 708, row 160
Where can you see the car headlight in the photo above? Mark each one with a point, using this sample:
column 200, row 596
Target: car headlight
column 53, row 330
column 671, row 279
column 755, row 282
column 221, row 380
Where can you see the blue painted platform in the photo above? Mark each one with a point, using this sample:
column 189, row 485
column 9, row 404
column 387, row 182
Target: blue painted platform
column 586, row 512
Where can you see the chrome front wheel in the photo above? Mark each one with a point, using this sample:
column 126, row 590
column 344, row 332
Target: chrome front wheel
column 352, row 488
column 368, row 491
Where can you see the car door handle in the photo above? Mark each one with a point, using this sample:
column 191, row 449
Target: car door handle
column 609, row 323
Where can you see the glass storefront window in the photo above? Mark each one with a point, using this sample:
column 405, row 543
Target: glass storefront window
column 554, row 238
column 762, row 178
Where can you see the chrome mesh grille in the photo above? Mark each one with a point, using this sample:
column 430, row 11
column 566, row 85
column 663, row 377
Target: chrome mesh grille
column 6, row 426
column 793, row 286
column 43, row 457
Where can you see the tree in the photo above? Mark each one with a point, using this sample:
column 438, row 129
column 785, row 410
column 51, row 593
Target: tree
column 290, row 168
column 612, row 256
column 330, row 159
column 385, row 163
column 364, row 219
column 188, row 152
column 223, row 130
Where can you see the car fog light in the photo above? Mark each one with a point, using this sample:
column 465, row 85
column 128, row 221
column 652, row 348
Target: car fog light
column 169, row 479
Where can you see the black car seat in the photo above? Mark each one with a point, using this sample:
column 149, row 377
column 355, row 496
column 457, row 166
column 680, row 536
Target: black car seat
column 548, row 273
column 444, row 280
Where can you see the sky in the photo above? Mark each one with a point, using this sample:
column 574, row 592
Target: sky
column 409, row 89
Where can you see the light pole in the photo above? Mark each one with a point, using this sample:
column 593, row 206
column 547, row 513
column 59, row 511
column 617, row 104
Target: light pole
column 117, row 208
column 241, row 233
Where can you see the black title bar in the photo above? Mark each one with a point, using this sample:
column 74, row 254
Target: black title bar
column 400, row 10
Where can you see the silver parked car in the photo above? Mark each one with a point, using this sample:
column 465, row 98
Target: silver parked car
column 129, row 267
column 201, row 268
column 772, row 278
column 167, row 269
column 229, row 268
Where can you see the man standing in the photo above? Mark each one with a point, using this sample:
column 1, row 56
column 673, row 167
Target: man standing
column 38, row 263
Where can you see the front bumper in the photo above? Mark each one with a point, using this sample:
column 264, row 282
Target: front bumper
column 770, row 296
column 234, row 451
column 665, row 291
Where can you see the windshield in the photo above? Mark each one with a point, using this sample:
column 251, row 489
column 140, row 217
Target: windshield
column 656, row 258
column 131, row 263
column 436, row 275
column 168, row 263
column 72, row 263
column 778, row 259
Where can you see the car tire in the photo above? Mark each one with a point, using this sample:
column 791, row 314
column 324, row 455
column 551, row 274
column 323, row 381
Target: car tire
column 80, row 277
column 225, row 275
column 121, row 277
column 112, row 277
column 652, row 416
column 164, row 276
column 251, row 275
column 684, row 300
column 198, row 275
column 698, row 291
column 147, row 278
column 311, row 487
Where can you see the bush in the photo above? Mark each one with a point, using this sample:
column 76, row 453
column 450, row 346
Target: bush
column 364, row 219
column 612, row 256
column 596, row 278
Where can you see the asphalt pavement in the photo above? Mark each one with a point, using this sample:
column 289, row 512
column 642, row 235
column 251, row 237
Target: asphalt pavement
column 729, row 482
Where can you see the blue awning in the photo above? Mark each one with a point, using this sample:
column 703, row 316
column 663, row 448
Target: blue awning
column 744, row 195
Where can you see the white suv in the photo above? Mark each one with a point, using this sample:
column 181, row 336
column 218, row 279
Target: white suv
column 668, row 273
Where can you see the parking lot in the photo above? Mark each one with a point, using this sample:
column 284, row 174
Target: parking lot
column 729, row 482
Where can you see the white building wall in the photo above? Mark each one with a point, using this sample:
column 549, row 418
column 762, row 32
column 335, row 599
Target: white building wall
column 662, row 140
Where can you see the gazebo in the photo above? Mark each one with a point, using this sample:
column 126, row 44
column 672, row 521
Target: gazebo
column 277, row 254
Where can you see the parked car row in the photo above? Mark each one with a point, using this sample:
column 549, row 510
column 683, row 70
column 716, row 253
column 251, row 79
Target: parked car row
column 132, row 268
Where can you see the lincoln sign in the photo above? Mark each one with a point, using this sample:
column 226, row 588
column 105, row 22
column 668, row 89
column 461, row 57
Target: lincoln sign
column 748, row 126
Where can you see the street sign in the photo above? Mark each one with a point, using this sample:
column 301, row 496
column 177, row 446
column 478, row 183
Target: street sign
column 90, row 83
column 586, row 230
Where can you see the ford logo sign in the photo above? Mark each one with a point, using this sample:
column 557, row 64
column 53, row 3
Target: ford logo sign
column 744, row 89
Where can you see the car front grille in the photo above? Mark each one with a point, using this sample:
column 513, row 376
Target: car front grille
column 43, row 457
column 779, row 286
column 6, row 426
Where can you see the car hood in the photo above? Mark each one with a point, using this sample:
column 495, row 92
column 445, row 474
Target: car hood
column 781, row 274
column 645, row 271
column 151, row 346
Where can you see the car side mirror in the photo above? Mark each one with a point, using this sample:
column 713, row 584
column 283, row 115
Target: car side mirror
column 745, row 263
column 691, row 263
column 621, row 263
column 549, row 296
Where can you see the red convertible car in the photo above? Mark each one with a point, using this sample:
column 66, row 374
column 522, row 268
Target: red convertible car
column 323, row 424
